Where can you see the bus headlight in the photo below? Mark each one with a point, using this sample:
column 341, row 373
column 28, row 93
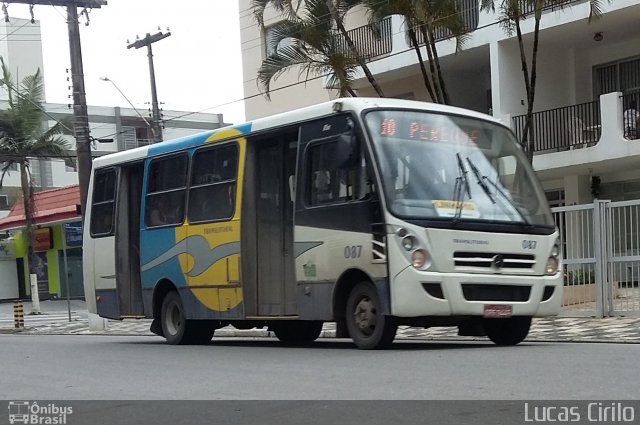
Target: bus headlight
column 554, row 259
column 552, row 265
column 420, row 259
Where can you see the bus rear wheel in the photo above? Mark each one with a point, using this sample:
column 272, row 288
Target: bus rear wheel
column 368, row 327
column 176, row 328
column 297, row 332
column 509, row 331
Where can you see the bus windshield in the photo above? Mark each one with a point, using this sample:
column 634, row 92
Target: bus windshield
column 449, row 167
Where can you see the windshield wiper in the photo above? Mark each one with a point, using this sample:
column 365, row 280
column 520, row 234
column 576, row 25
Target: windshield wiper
column 461, row 187
column 482, row 179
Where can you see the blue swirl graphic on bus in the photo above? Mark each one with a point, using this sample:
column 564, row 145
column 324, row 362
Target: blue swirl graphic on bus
column 198, row 247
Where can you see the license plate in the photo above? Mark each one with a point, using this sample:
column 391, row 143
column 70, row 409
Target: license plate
column 497, row 311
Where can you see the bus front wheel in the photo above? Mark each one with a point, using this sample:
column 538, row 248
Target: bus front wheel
column 176, row 328
column 368, row 327
column 509, row 331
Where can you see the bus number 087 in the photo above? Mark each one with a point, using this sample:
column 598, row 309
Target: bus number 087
column 353, row 251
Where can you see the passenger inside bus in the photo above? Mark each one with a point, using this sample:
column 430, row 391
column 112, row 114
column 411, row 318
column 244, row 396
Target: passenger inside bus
column 156, row 218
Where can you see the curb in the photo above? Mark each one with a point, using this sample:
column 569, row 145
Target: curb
column 8, row 331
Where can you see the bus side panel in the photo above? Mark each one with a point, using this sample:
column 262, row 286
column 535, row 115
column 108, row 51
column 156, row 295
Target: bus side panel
column 202, row 261
column 335, row 237
column 323, row 255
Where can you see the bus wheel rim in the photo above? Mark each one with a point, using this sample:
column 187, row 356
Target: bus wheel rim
column 365, row 316
column 174, row 321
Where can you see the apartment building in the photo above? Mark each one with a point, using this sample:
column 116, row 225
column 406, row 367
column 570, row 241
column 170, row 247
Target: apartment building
column 588, row 74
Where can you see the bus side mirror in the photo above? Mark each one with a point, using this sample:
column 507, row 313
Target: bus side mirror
column 347, row 150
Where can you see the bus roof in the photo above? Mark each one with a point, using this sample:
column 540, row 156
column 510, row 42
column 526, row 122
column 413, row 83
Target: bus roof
column 355, row 104
column 359, row 104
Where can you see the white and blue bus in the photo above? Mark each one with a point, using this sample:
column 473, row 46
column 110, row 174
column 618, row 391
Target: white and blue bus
column 371, row 213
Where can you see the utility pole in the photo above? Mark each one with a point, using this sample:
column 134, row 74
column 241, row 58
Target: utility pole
column 148, row 40
column 81, row 120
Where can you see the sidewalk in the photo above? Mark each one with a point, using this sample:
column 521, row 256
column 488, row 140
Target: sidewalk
column 558, row 329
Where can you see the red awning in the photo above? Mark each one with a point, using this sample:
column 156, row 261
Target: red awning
column 51, row 206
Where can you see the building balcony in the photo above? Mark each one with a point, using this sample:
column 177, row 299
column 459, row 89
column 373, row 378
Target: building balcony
column 371, row 41
column 588, row 138
column 577, row 126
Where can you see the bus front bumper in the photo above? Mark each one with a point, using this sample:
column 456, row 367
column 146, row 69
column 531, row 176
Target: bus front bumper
column 416, row 294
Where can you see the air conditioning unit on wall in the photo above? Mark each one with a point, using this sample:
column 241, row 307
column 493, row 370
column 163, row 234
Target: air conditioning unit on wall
column 4, row 202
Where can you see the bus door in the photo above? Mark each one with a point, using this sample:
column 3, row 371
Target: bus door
column 127, row 241
column 336, row 213
column 275, row 161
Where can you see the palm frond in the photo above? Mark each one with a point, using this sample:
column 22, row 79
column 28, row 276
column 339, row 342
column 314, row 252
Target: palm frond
column 317, row 16
column 288, row 8
column 50, row 147
column 7, row 80
column 277, row 63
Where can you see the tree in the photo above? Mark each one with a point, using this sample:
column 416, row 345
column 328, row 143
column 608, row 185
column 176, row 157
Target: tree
column 307, row 39
column 22, row 138
column 338, row 11
column 430, row 18
column 513, row 12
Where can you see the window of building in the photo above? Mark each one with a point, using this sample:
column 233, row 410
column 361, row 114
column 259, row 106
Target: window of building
column 103, row 203
column 166, row 188
column 555, row 198
column 623, row 76
column 326, row 183
column 213, row 184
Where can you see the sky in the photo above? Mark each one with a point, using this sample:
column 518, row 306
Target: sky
column 197, row 68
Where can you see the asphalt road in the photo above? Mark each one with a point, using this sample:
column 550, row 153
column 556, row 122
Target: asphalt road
column 146, row 368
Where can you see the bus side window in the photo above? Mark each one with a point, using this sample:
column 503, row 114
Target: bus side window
column 329, row 184
column 166, row 187
column 213, row 184
column 103, row 202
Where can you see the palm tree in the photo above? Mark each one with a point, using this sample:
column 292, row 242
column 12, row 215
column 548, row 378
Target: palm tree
column 338, row 11
column 513, row 12
column 23, row 138
column 429, row 17
column 314, row 45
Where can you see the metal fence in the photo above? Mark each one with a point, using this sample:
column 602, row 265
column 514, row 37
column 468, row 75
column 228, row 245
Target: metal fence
column 371, row 41
column 469, row 15
column 601, row 267
column 568, row 127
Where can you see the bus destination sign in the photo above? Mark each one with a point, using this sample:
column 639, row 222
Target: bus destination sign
column 430, row 131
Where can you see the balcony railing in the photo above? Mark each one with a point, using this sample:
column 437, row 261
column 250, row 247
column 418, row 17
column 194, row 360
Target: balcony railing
column 371, row 43
column 631, row 115
column 559, row 129
column 468, row 10
column 527, row 8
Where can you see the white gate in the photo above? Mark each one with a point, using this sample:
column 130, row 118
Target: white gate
column 601, row 247
column 623, row 259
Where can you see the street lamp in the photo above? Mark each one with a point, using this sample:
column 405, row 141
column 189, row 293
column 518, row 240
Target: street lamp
column 153, row 131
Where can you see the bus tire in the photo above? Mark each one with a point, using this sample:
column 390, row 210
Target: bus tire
column 368, row 327
column 176, row 328
column 509, row 331
column 297, row 333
